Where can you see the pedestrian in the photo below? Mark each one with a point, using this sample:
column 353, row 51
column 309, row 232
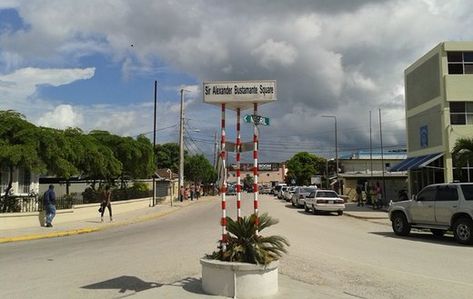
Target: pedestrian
column 182, row 193
column 359, row 196
column 379, row 196
column 192, row 192
column 197, row 192
column 106, row 203
column 49, row 203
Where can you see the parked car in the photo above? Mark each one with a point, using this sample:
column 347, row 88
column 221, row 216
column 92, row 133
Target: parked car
column 288, row 193
column 438, row 207
column 300, row 193
column 265, row 190
column 324, row 201
column 281, row 192
column 231, row 189
column 277, row 189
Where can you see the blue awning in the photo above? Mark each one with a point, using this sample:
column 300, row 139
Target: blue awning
column 414, row 163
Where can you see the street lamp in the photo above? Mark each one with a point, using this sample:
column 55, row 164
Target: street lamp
column 464, row 151
column 336, row 142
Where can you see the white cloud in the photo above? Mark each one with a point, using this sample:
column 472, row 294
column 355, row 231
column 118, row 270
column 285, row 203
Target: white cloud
column 22, row 83
column 61, row 117
column 275, row 52
column 329, row 57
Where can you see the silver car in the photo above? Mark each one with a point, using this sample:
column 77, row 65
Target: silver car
column 298, row 198
column 288, row 193
column 438, row 207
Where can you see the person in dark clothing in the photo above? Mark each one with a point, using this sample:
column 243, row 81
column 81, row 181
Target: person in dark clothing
column 106, row 202
column 359, row 196
column 49, row 203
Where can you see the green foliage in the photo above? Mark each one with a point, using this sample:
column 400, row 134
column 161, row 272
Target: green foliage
column 198, row 169
column 167, row 156
column 244, row 245
column 140, row 186
column 248, row 181
column 304, row 165
column 462, row 153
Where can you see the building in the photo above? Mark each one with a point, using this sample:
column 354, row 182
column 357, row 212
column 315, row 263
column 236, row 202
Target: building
column 439, row 111
column 24, row 182
column 366, row 168
column 268, row 173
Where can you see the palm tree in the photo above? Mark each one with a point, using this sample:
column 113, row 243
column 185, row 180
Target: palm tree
column 462, row 153
column 244, row 245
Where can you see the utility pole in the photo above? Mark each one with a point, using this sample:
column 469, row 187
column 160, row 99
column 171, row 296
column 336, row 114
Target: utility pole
column 181, row 144
column 336, row 149
column 371, row 150
column 382, row 154
column 215, row 149
column 154, row 140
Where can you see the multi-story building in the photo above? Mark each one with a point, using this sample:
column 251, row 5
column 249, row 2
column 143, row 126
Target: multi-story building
column 439, row 111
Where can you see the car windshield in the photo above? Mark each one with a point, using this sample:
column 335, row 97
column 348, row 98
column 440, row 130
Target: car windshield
column 326, row 194
column 307, row 190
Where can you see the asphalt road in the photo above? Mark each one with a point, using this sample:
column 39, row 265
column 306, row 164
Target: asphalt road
column 351, row 257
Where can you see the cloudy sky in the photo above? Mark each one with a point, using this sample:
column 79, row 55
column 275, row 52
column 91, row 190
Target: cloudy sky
column 92, row 64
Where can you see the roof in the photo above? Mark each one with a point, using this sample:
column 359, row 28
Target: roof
column 414, row 163
column 163, row 173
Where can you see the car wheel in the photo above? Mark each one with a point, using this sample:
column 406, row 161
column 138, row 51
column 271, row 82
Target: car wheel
column 306, row 208
column 314, row 210
column 462, row 231
column 400, row 225
column 340, row 213
column 438, row 232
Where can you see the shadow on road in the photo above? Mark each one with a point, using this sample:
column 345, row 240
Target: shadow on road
column 319, row 213
column 191, row 285
column 422, row 237
column 123, row 284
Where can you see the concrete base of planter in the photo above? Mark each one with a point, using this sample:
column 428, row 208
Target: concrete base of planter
column 240, row 280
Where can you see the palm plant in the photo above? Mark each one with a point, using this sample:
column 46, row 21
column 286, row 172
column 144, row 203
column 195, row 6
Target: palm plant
column 245, row 245
column 462, row 153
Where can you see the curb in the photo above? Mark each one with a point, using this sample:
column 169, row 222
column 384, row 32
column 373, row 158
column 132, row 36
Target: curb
column 365, row 217
column 87, row 230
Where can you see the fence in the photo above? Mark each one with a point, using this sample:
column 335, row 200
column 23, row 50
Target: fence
column 34, row 203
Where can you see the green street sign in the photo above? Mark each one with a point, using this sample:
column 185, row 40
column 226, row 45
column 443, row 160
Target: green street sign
column 256, row 119
column 248, row 119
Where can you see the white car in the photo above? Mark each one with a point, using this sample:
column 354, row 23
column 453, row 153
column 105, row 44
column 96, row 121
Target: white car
column 288, row 193
column 324, row 200
column 281, row 192
column 300, row 193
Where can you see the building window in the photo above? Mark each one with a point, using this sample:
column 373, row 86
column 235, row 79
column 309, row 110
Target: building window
column 460, row 63
column 461, row 113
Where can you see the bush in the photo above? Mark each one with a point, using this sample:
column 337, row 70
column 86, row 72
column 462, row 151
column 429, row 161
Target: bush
column 143, row 187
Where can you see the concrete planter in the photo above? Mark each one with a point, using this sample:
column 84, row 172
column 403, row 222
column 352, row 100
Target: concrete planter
column 240, row 280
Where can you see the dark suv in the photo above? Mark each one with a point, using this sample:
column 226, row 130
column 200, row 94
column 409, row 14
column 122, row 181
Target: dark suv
column 438, row 207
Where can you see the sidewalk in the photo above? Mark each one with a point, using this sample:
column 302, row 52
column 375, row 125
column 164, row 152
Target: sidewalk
column 367, row 213
column 93, row 224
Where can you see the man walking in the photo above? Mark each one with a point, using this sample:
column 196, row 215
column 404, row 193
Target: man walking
column 49, row 203
column 359, row 196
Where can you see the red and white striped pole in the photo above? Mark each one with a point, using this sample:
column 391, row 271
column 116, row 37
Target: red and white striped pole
column 238, row 175
column 255, row 165
column 223, row 189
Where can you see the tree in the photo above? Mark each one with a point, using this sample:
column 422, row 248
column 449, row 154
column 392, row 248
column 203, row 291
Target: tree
column 167, row 156
column 93, row 159
column 462, row 153
column 199, row 170
column 18, row 145
column 248, row 182
column 302, row 166
column 136, row 156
